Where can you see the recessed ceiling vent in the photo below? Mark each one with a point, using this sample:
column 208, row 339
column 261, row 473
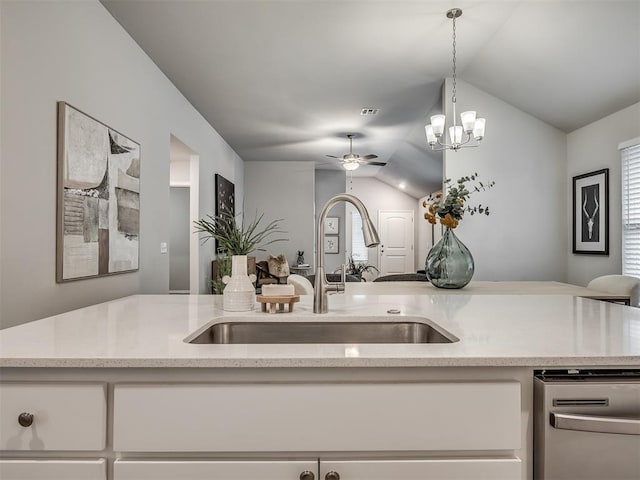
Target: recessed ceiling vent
column 369, row 111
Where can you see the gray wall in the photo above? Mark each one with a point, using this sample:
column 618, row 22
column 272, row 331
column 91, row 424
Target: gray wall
column 376, row 196
column 524, row 238
column 590, row 148
column 77, row 52
column 328, row 184
column 179, row 240
column 283, row 190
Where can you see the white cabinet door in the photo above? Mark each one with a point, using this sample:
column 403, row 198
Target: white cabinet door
column 59, row 416
column 53, row 469
column 440, row 469
column 214, row 470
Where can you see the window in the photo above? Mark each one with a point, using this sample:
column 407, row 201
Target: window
column 359, row 251
column 631, row 209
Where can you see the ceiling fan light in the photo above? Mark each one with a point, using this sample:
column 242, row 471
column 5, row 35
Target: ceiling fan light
column 350, row 166
column 431, row 137
column 437, row 122
column 468, row 120
column 478, row 128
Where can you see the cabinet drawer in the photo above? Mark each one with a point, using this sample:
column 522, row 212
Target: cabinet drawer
column 317, row 417
column 441, row 469
column 65, row 416
column 53, row 469
column 207, row 470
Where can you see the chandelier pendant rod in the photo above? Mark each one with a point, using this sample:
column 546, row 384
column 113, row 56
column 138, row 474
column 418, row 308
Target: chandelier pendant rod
column 454, row 14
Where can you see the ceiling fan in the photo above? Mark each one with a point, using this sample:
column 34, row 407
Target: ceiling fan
column 351, row 161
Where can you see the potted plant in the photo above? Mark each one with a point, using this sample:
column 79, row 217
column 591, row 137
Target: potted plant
column 235, row 239
column 449, row 263
column 357, row 268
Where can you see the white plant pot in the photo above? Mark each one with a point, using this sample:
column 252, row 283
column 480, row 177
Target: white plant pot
column 239, row 294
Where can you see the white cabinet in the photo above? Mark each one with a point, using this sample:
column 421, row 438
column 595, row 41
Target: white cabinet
column 267, row 430
column 373, row 417
column 61, row 417
column 440, row 469
column 209, row 470
column 470, row 429
column 26, row 469
column 53, row 416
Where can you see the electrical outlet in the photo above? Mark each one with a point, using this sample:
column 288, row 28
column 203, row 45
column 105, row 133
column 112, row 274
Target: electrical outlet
column 163, row 247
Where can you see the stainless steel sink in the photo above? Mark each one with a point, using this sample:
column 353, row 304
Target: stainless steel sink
column 245, row 332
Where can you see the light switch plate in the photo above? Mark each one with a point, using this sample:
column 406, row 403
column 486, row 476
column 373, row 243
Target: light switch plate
column 163, row 247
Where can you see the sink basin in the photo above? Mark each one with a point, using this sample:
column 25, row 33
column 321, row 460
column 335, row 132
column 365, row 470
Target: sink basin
column 245, row 332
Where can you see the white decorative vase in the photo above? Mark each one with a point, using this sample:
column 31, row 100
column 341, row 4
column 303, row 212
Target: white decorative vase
column 239, row 293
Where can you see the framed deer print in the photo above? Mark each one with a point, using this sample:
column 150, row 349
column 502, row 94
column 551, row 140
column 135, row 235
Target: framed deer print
column 591, row 213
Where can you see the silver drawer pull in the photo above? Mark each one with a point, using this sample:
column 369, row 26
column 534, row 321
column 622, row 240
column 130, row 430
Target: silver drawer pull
column 307, row 475
column 25, row 419
column 590, row 423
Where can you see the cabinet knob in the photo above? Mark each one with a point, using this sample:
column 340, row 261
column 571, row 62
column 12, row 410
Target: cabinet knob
column 307, row 475
column 332, row 476
column 25, row 419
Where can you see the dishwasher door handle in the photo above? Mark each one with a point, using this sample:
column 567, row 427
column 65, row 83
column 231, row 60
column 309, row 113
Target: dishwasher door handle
column 590, row 423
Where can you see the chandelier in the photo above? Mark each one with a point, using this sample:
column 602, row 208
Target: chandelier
column 459, row 135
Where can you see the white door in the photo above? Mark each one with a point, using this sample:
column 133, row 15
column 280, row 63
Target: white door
column 396, row 241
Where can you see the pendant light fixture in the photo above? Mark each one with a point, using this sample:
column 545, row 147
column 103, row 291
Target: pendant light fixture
column 459, row 135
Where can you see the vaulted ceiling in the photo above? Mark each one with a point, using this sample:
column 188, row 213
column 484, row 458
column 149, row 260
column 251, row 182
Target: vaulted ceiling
column 286, row 80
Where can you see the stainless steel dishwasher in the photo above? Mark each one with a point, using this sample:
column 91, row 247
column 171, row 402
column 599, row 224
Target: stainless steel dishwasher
column 587, row 425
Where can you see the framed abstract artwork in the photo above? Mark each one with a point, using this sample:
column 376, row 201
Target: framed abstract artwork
column 591, row 213
column 225, row 199
column 98, row 198
column 225, row 196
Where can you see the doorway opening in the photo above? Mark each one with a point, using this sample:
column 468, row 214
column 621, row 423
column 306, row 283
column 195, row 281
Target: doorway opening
column 184, row 210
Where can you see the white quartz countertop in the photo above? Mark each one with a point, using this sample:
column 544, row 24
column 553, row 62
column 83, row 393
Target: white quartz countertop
column 494, row 330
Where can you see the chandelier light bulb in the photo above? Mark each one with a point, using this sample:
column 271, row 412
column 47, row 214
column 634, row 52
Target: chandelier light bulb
column 431, row 137
column 437, row 122
column 455, row 135
column 468, row 120
column 478, row 128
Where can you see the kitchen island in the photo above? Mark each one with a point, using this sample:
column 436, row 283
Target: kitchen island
column 138, row 394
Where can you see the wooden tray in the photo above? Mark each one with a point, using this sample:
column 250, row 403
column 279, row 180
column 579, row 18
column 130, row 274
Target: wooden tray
column 277, row 302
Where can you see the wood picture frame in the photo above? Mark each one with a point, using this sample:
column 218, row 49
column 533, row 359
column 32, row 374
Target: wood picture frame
column 98, row 198
column 591, row 213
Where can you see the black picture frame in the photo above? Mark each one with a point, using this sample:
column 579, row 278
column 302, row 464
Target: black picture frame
column 225, row 196
column 591, row 213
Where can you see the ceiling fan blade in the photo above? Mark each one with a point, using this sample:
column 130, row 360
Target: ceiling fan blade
column 371, row 156
column 333, row 156
column 375, row 164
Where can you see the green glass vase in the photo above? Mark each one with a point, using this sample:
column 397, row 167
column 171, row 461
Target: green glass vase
column 449, row 263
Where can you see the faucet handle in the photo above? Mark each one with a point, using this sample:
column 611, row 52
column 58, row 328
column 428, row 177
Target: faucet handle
column 343, row 278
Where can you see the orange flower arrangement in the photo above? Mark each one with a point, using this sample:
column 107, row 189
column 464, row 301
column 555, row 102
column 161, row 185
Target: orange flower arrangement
column 451, row 209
